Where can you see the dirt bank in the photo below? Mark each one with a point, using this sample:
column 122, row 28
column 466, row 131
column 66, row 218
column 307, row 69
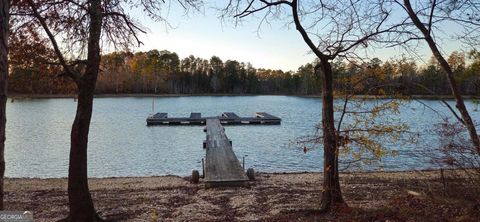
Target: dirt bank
column 379, row 196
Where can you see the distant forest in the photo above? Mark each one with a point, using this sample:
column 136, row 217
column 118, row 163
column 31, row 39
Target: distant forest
column 163, row 72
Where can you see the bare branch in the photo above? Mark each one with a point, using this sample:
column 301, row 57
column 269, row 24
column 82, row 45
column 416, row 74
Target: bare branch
column 66, row 67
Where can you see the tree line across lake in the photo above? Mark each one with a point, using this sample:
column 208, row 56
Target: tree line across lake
column 164, row 72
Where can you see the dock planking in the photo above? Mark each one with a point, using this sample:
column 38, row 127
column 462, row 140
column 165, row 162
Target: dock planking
column 195, row 115
column 230, row 115
column 226, row 118
column 222, row 168
column 160, row 115
column 265, row 115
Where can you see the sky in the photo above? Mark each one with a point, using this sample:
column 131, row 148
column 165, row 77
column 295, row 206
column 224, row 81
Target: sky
column 203, row 34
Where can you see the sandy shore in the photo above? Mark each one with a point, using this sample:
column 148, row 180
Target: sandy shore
column 395, row 196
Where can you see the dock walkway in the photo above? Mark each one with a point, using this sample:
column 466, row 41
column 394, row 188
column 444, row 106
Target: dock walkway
column 222, row 168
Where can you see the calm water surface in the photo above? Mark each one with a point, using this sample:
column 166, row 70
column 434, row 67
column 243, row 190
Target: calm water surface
column 120, row 143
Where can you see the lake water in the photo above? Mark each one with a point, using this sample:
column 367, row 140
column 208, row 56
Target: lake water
column 120, row 143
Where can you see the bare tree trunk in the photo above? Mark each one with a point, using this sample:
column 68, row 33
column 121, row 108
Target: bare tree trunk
column 457, row 94
column 467, row 120
column 4, row 18
column 79, row 197
column 331, row 192
column 80, row 200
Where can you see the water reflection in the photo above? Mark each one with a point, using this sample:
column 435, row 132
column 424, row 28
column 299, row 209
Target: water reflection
column 120, row 143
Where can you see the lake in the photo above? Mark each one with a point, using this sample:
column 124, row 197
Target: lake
column 120, row 143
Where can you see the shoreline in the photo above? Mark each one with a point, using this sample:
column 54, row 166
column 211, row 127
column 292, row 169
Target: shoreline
column 259, row 172
column 138, row 95
column 375, row 196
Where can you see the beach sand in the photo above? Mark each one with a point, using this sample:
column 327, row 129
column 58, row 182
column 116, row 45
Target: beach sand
column 373, row 196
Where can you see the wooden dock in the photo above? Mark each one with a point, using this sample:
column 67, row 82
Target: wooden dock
column 222, row 168
column 226, row 118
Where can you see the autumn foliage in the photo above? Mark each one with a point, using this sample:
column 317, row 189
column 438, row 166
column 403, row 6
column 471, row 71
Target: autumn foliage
column 165, row 72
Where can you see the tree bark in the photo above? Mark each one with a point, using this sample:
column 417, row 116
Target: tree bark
column 467, row 120
column 331, row 192
column 79, row 197
column 4, row 19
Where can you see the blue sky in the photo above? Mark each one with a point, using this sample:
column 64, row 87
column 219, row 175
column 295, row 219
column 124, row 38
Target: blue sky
column 203, row 34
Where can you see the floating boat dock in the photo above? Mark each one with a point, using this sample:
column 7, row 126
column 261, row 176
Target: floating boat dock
column 222, row 168
column 226, row 118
